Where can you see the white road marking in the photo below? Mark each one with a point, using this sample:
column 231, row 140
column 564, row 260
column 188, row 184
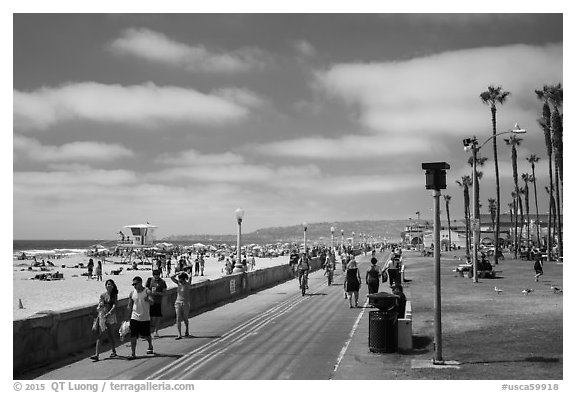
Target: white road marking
column 345, row 347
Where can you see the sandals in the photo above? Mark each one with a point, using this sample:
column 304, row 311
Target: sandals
column 178, row 338
column 150, row 352
column 131, row 357
column 113, row 355
column 94, row 358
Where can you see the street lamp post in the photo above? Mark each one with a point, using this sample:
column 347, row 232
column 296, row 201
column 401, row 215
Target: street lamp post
column 238, row 267
column 436, row 181
column 332, row 241
column 418, row 228
column 410, row 232
column 472, row 144
column 352, row 239
column 342, row 234
column 305, row 225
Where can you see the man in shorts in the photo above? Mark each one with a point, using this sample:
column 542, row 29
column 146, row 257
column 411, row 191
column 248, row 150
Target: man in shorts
column 139, row 302
column 158, row 287
column 183, row 301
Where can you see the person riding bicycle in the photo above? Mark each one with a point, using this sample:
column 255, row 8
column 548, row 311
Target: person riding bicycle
column 329, row 269
column 303, row 268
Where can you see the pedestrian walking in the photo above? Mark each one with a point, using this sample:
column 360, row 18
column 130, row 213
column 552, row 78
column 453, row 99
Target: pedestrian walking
column 106, row 319
column 182, row 303
column 352, row 282
column 538, row 266
column 139, row 302
column 202, row 262
column 90, row 269
column 373, row 276
column 197, row 265
column 99, row 271
column 158, row 288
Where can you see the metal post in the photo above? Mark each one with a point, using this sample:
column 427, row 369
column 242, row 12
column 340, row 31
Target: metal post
column 475, row 228
column 437, row 298
column 238, row 268
column 332, row 241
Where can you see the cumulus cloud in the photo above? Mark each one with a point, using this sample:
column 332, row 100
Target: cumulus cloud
column 70, row 182
column 33, row 150
column 157, row 47
column 193, row 157
column 303, row 48
column 137, row 105
column 440, row 93
column 234, row 174
column 345, row 148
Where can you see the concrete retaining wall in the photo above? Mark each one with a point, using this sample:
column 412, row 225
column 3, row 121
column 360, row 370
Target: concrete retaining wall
column 46, row 338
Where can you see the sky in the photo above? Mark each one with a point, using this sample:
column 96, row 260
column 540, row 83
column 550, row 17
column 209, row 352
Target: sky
column 180, row 119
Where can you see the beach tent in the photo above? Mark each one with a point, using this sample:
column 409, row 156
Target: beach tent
column 199, row 245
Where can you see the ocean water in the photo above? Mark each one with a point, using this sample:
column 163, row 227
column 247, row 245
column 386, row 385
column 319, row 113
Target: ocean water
column 69, row 246
column 19, row 246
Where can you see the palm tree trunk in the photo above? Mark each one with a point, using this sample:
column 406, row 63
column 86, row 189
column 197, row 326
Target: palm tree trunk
column 495, row 148
column 558, row 214
column 536, row 203
column 550, row 206
column 527, row 196
column 467, row 221
column 511, row 218
column 516, row 227
column 520, row 207
column 449, row 228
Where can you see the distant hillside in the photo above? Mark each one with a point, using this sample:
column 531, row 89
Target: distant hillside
column 317, row 232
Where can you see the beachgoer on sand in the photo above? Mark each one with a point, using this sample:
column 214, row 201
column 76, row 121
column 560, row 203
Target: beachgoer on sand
column 139, row 302
column 158, row 287
column 182, row 303
column 90, row 268
column 106, row 319
column 99, row 271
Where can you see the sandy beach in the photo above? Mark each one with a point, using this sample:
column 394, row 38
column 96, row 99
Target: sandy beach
column 76, row 290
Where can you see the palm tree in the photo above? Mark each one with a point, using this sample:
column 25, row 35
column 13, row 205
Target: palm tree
column 551, row 224
column 515, row 141
column 511, row 208
column 527, row 178
column 491, row 97
column 447, row 200
column 546, row 124
column 533, row 159
column 521, row 208
column 492, row 209
column 465, row 184
column 515, row 201
column 556, row 99
column 480, row 161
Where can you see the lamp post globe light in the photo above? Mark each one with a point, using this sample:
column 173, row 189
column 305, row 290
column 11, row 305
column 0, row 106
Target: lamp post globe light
column 305, row 225
column 472, row 145
column 238, row 267
column 332, row 241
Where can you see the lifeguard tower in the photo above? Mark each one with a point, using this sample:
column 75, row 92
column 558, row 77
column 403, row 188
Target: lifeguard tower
column 137, row 243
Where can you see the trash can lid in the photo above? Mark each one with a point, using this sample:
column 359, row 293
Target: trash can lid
column 380, row 295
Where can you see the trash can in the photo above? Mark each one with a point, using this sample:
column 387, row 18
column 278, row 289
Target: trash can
column 383, row 331
column 383, row 324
